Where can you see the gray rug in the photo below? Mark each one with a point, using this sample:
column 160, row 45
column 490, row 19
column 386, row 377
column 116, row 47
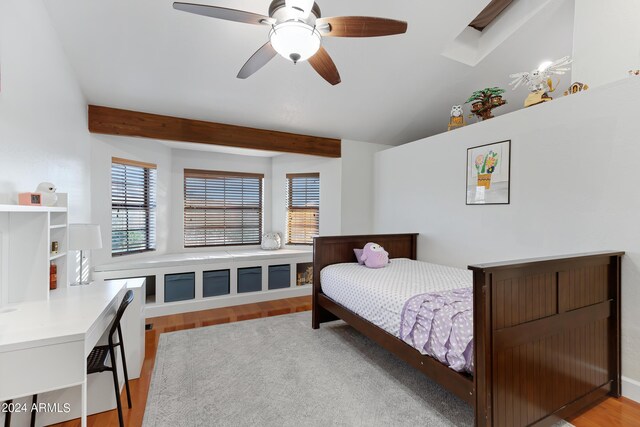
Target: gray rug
column 277, row 371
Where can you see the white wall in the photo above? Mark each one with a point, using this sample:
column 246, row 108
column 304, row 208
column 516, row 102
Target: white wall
column 574, row 188
column 43, row 130
column 357, row 186
column 330, row 190
column 189, row 159
column 606, row 41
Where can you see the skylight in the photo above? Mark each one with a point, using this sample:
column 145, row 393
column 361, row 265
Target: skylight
column 489, row 14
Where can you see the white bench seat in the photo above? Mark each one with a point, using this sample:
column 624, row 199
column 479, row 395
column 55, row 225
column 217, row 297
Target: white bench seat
column 198, row 258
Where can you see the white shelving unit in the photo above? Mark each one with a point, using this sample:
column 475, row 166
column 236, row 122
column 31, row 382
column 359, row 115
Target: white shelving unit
column 197, row 264
column 26, row 234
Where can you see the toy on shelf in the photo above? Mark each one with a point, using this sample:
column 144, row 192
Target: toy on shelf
column 457, row 118
column 30, row 199
column 575, row 88
column 48, row 191
column 539, row 81
column 485, row 100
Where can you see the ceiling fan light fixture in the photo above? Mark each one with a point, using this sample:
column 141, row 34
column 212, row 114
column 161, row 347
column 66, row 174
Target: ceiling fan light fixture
column 295, row 41
column 301, row 7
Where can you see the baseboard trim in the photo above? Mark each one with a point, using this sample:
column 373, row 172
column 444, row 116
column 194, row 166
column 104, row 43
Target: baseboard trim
column 631, row 389
column 167, row 309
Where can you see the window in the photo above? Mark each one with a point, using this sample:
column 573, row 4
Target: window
column 133, row 207
column 222, row 208
column 303, row 208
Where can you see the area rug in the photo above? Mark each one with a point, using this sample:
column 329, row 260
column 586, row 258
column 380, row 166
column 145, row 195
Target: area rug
column 277, row 371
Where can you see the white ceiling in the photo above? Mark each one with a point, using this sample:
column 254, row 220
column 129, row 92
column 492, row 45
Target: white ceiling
column 143, row 55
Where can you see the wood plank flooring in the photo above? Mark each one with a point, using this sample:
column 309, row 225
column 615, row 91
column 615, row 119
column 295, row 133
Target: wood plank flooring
column 611, row 412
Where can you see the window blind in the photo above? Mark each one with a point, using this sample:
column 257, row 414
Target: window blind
column 303, row 208
column 222, row 208
column 133, row 207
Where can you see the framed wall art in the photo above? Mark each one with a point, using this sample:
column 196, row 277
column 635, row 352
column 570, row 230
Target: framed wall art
column 489, row 174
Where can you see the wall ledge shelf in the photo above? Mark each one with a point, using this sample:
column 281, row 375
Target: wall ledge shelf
column 52, row 227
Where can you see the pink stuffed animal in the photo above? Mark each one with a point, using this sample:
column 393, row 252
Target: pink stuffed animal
column 374, row 256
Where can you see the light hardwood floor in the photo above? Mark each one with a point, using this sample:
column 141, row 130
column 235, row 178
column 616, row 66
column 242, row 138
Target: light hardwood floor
column 610, row 413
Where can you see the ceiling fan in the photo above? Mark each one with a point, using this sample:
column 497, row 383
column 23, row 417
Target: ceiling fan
column 297, row 29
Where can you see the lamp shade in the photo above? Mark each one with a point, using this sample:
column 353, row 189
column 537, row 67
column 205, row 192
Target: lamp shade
column 296, row 41
column 84, row 237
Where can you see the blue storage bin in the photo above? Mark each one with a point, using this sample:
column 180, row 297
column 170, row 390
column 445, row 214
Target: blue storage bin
column 279, row 276
column 179, row 287
column 249, row 279
column 215, row 283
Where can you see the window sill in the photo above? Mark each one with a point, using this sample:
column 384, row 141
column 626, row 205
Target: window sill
column 121, row 254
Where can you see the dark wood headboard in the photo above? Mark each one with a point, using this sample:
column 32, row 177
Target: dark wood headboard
column 337, row 249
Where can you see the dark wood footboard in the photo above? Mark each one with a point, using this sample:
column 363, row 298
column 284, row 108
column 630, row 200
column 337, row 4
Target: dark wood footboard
column 546, row 331
column 547, row 337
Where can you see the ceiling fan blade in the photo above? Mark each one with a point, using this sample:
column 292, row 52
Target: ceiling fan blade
column 324, row 65
column 257, row 60
column 224, row 13
column 360, row 26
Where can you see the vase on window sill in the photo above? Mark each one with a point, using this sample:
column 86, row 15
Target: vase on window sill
column 271, row 241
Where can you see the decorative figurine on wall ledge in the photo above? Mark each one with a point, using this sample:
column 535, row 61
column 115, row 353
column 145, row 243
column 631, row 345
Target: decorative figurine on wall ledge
column 575, row 88
column 457, row 118
column 485, row 100
column 539, row 81
column 633, row 73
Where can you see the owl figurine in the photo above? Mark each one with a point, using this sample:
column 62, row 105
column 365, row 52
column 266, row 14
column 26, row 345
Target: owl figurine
column 48, row 191
column 457, row 117
column 539, row 81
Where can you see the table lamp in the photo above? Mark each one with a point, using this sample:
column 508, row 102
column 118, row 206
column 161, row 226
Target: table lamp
column 84, row 237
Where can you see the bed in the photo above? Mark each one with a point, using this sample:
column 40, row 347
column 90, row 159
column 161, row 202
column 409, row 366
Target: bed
column 546, row 332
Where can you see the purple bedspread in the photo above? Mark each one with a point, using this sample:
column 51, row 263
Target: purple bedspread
column 440, row 324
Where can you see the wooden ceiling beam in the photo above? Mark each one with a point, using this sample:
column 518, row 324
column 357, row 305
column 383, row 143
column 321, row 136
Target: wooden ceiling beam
column 113, row 121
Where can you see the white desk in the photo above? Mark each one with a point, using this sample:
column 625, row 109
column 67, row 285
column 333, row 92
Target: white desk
column 44, row 344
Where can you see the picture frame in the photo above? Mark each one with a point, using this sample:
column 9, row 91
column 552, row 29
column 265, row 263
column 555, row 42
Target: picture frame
column 488, row 178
